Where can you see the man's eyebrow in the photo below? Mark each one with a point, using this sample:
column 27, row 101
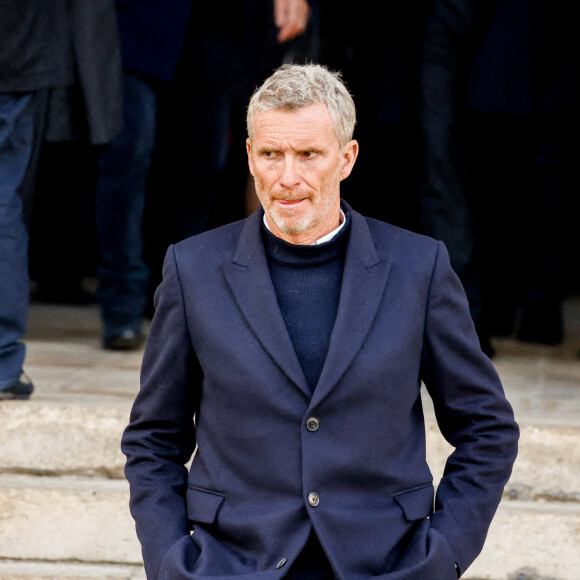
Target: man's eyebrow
column 300, row 149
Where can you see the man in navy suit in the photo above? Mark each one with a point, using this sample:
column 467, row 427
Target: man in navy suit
column 288, row 351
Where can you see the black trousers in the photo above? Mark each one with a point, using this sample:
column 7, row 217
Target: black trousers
column 312, row 563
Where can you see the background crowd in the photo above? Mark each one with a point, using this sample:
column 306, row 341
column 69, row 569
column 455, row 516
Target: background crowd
column 122, row 129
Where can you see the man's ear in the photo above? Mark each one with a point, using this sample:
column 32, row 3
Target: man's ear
column 349, row 155
column 249, row 152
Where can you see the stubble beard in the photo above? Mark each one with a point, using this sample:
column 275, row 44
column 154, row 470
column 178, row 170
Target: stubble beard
column 291, row 224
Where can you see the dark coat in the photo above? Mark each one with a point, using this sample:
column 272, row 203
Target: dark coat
column 152, row 35
column 154, row 32
column 218, row 347
column 35, row 49
column 71, row 49
column 92, row 108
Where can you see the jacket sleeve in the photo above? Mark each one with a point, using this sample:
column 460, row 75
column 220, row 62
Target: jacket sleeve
column 160, row 437
column 473, row 416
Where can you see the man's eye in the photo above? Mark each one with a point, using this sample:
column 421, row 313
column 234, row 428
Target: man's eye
column 310, row 154
column 269, row 154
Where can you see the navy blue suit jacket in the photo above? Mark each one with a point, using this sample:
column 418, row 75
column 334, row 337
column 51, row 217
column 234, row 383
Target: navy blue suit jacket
column 218, row 348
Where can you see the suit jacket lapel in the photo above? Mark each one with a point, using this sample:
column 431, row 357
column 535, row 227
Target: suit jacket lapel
column 363, row 285
column 249, row 280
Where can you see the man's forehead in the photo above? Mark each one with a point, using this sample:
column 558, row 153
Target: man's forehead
column 315, row 109
column 307, row 123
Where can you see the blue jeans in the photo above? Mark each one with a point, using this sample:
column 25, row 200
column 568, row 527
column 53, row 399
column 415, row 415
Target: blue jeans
column 123, row 168
column 16, row 143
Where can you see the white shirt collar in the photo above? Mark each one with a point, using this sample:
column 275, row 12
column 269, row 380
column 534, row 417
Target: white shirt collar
column 323, row 239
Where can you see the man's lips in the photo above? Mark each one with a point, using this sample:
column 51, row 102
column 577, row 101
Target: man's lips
column 290, row 202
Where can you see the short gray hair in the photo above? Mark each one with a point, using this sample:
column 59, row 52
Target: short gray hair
column 294, row 86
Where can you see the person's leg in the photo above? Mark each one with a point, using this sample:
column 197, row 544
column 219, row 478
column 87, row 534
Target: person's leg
column 16, row 143
column 194, row 126
column 544, row 236
column 123, row 168
column 192, row 165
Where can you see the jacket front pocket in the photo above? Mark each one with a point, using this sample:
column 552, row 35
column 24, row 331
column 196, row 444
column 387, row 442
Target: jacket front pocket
column 203, row 505
column 416, row 503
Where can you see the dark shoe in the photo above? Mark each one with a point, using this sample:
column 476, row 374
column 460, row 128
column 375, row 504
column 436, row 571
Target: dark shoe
column 21, row 389
column 127, row 340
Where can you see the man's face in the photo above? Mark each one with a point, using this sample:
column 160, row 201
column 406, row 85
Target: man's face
column 297, row 166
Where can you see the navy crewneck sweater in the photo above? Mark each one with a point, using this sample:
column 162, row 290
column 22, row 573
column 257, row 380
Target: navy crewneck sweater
column 307, row 282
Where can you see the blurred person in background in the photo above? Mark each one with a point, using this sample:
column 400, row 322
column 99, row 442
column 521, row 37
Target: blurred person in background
column 41, row 46
column 379, row 61
column 184, row 64
column 498, row 113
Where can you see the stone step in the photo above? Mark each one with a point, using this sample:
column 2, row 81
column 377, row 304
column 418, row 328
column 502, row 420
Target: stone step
column 531, row 541
column 62, row 439
column 19, row 570
column 64, row 520
column 83, row 438
column 547, row 466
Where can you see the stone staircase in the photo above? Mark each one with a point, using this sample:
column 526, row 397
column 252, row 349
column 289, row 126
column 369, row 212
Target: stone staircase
column 63, row 498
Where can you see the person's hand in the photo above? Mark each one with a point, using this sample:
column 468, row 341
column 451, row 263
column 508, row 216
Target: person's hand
column 291, row 18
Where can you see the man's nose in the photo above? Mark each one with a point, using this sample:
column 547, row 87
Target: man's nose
column 290, row 176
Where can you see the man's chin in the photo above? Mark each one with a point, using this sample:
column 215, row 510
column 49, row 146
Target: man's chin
column 292, row 225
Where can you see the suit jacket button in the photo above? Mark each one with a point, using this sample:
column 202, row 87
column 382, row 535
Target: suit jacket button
column 313, row 499
column 312, row 424
column 281, row 563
